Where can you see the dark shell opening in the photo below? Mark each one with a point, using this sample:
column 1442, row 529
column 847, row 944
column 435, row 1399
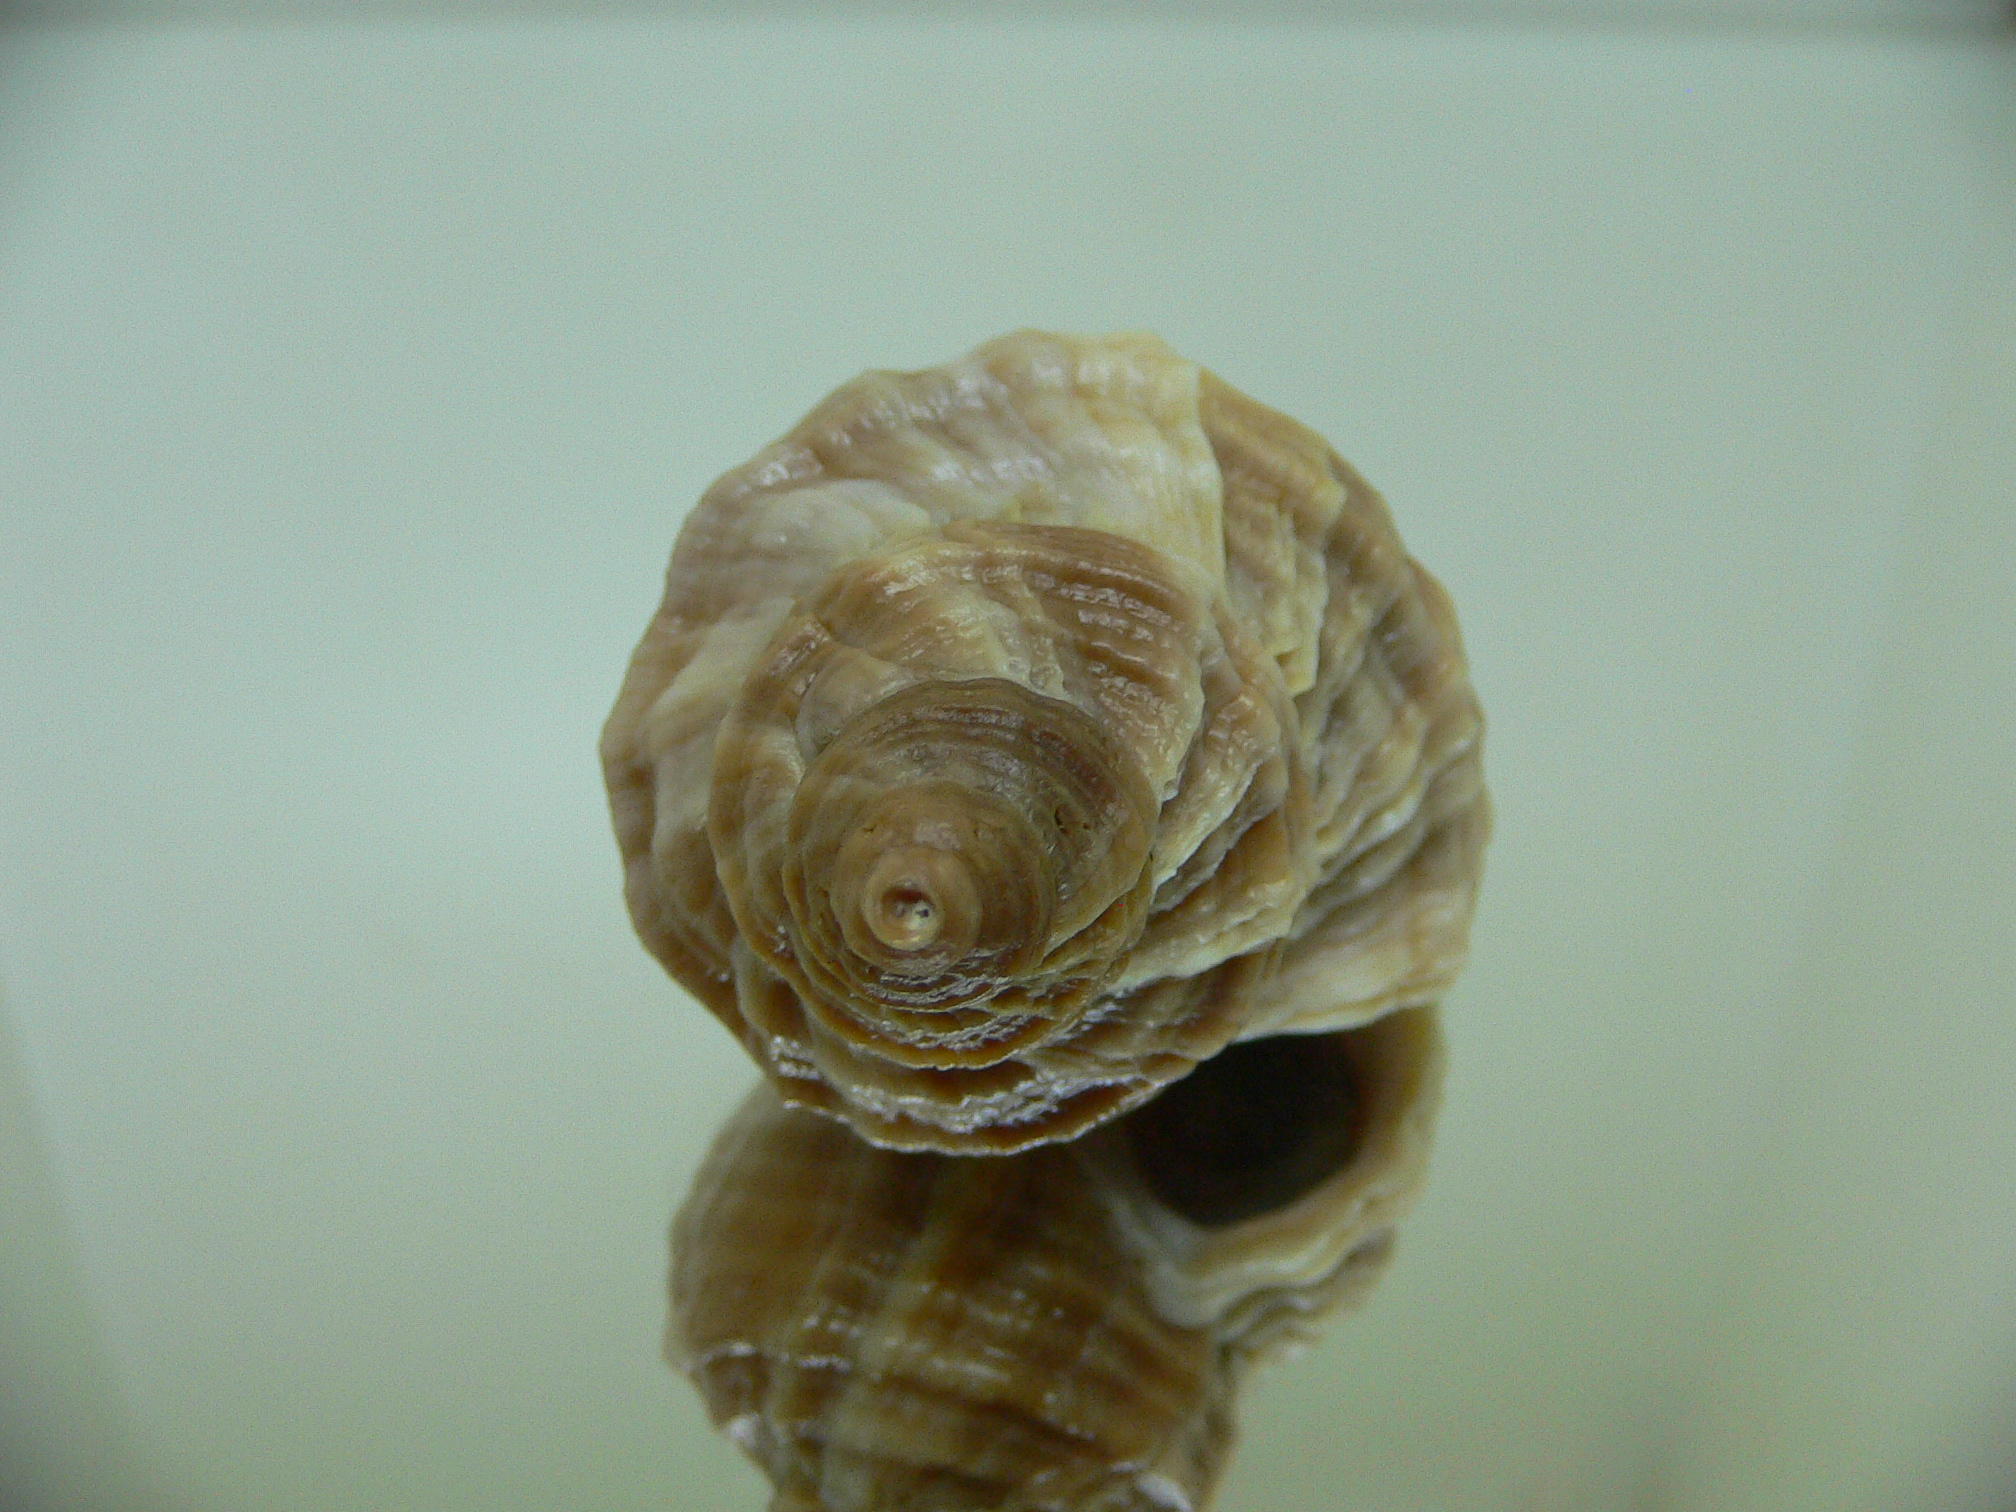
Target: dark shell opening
column 1251, row 1130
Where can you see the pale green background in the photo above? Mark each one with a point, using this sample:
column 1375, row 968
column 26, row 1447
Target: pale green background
column 353, row 381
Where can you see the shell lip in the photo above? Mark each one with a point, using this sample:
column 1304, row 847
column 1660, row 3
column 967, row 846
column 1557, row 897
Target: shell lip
column 1202, row 1273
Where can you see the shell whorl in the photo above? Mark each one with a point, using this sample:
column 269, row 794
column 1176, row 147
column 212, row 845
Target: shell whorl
column 1015, row 735
column 944, row 867
column 1062, row 1330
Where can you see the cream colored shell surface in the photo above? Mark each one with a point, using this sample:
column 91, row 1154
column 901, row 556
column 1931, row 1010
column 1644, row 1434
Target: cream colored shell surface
column 1063, row 1330
column 1016, row 734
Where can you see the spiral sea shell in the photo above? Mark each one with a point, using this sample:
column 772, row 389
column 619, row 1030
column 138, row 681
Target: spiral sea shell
column 1015, row 735
column 1057, row 1331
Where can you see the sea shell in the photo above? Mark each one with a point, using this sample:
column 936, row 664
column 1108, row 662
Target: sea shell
column 1062, row 1330
column 1016, row 734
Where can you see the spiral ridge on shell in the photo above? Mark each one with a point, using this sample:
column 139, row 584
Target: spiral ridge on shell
column 1017, row 734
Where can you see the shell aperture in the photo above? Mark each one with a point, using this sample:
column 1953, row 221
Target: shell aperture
column 1048, row 1331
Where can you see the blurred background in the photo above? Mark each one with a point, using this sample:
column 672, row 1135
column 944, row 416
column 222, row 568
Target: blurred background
column 357, row 366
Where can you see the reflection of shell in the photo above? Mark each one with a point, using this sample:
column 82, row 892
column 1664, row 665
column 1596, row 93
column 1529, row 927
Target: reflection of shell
column 1058, row 1331
column 1016, row 734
